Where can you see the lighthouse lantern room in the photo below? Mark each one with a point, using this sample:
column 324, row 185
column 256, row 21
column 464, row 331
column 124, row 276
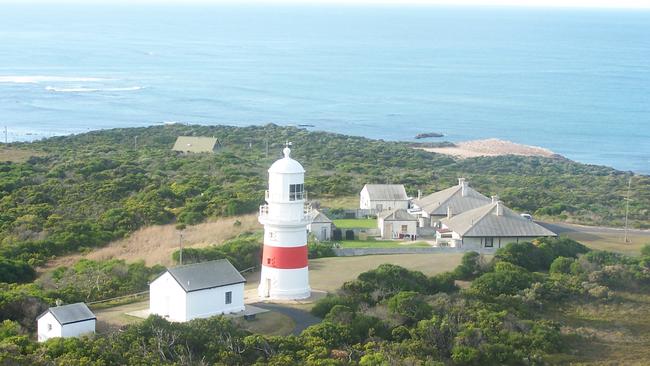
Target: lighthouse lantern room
column 285, row 218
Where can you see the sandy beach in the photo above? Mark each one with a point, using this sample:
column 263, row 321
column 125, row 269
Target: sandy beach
column 491, row 147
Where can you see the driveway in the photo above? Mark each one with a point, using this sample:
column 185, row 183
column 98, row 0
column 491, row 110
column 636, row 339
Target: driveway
column 303, row 319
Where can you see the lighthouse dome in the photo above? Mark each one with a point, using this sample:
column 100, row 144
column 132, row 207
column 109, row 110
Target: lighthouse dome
column 286, row 165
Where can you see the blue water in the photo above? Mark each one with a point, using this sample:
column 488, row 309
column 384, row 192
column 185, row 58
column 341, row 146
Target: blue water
column 574, row 81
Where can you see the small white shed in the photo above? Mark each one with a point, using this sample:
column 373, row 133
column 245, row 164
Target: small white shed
column 197, row 290
column 397, row 224
column 65, row 321
column 320, row 226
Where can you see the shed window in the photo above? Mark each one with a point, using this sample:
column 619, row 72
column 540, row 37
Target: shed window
column 405, row 228
column 229, row 297
column 489, row 242
column 296, row 192
column 49, row 327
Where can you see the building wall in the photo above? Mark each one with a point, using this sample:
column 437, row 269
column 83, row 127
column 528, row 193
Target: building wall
column 43, row 333
column 321, row 231
column 209, row 302
column 392, row 229
column 478, row 243
column 167, row 298
column 58, row 330
column 77, row 329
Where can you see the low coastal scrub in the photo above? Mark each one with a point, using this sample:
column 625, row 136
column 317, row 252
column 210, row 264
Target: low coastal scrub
column 508, row 315
column 85, row 190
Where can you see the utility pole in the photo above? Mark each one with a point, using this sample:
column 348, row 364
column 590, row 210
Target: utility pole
column 267, row 147
column 6, row 139
column 135, row 143
column 180, row 243
column 627, row 206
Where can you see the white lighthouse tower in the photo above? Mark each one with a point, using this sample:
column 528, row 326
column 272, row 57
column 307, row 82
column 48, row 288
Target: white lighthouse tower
column 285, row 217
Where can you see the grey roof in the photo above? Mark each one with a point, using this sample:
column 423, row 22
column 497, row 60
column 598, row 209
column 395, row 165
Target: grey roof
column 195, row 144
column 397, row 215
column 386, row 192
column 205, row 275
column 316, row 216
column 72, row 313
column 484, row 221
column 436, row 203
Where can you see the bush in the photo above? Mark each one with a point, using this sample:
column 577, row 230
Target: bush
column 645, row 250
column 320, row 250
column 561, row 265
column 410, row 305
column 324, row 305
column 12, row 271
column 470, row 266
column 502, row 282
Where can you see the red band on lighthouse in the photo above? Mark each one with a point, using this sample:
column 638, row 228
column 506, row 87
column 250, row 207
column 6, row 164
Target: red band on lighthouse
column 285, row 257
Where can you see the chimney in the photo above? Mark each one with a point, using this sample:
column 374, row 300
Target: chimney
column 499, row 208
column 449, row 214
column 419, row 194
column 495, row 199
column 463, row 184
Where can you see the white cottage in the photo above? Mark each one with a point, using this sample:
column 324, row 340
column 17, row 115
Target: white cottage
column 65, row 321
column 383, row 197
column 320, row 226
column 397, row 224
column 488, row 228
column 197, row 290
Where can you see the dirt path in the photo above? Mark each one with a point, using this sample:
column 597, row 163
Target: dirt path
column 155, row 244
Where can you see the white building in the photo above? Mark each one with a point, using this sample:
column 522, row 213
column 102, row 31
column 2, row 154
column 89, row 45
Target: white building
column 488, row 228
column 197, row 290
column 320, row 226
column 448, row 202
column 66, row 321
column 397, row 224
column 285, row 273
column 383, row 197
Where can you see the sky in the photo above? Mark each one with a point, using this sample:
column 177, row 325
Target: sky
column 645, row 4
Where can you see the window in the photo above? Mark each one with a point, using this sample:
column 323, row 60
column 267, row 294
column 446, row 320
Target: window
column 49, row 327
column 405, row 228
column 273, row 236
column 229, row 297
column 296, row 192
column 489, row 242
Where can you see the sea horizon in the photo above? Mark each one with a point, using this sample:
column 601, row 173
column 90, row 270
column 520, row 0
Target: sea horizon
column 574, row 81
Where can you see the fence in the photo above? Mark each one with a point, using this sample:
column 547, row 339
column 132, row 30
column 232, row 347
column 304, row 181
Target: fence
column 352, row 252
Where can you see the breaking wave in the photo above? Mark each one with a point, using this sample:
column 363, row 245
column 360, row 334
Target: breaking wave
column 41, row 79
column 92, row 90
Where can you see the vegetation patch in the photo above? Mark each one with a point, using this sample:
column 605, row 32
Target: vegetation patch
column 355, row 223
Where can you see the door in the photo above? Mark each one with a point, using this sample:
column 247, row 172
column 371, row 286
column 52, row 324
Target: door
column 268, row 288
column 323, row 234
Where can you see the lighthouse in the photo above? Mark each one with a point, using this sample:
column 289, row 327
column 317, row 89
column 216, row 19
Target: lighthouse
column 285, row 217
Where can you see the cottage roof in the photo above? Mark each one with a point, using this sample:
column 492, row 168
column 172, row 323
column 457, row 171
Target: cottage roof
column 485, row 221
column 206, row 275
column 386, row 192
column 397, row 215
column 316, row 216
column 195, row 144
column 436, row 204
column 71, row 313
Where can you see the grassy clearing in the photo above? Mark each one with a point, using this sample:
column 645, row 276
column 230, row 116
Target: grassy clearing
column 347, row 202
column 382, row 244
column 270, row 323
column 616, row 332
column 329, row 274
column 17, row 155
column 155, row 244
column 611, row 241
column 356, row 223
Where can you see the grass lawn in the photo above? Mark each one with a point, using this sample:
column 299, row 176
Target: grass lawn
column 356, row 223
column 15, row 155
column 382, row 244
column 611, row 241
column 271, row 323
column 346, row 202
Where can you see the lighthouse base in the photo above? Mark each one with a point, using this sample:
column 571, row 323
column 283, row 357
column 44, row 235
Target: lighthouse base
column 284, row 284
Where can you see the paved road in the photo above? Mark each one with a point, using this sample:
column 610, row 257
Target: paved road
column 566, row 228
column 303, row 319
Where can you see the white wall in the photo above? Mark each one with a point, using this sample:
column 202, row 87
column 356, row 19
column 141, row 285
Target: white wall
column 210, row 302
column 43, row 333
column 392, row 229
column 316, row 229
column 167, row 298
column 284, row 283
column 58, row 330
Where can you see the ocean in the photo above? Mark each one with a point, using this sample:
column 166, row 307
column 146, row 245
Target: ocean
column 576, row 81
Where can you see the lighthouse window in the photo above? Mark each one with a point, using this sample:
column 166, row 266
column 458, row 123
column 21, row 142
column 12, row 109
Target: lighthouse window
column 296, row 192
